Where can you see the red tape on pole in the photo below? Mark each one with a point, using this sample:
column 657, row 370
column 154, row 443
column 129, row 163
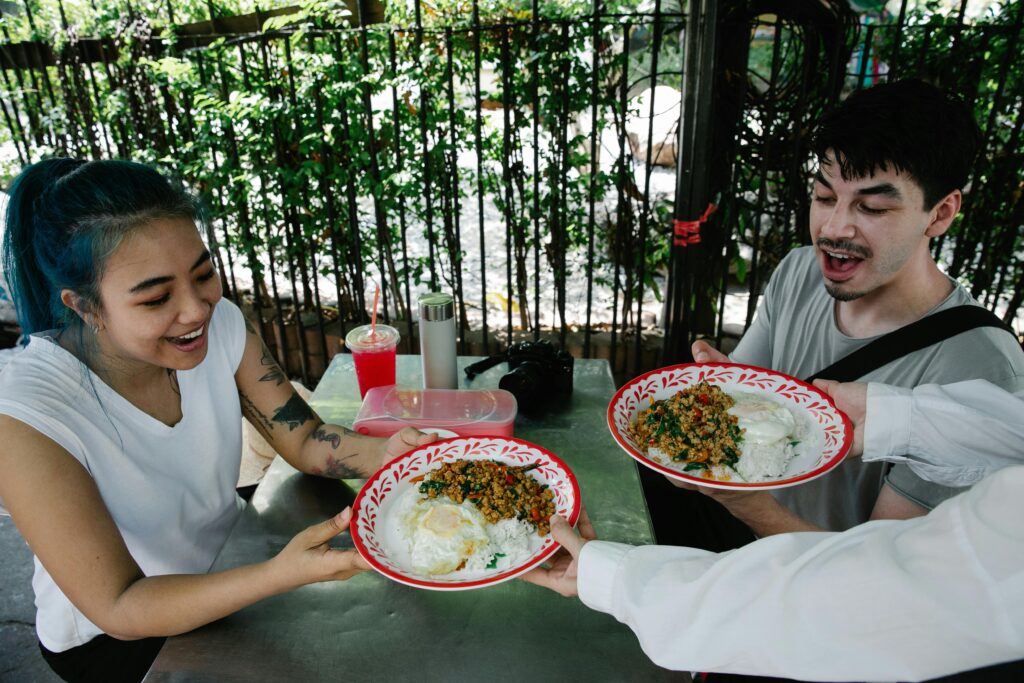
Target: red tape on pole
column 688, row 232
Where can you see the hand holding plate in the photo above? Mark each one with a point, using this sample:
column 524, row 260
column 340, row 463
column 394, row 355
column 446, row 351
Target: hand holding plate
column 404, row 441
column 561, row 575
column 309, row 559
column 851, row 398
column 706, row 353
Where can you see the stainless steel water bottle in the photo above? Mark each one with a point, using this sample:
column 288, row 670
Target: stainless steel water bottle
column 437, row 341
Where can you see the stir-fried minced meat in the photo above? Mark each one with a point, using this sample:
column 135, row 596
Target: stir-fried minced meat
column 691, row 427
column 499, row 491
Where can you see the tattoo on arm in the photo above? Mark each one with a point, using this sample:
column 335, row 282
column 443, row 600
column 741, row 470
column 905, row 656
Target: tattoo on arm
column 336, row 469
column 320, row 435
column 257, row 418
column 294, row 413
column 274, row 372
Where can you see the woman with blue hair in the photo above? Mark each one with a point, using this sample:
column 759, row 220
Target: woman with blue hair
column 120, row 421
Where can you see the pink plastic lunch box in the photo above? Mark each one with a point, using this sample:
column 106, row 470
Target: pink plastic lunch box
column 466, row 412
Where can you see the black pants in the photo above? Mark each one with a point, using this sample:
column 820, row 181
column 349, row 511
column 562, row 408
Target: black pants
column 104, row 660
column 689, row 518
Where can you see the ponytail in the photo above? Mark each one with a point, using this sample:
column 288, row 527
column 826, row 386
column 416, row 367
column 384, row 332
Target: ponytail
column 65, row 217
column 31, row 290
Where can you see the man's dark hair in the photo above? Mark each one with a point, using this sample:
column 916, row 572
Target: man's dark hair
column 908, row 125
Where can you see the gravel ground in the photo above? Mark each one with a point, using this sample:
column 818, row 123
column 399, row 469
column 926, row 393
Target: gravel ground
column 19, row 652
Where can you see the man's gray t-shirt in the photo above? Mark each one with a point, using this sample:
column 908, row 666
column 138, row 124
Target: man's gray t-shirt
column 795, row 332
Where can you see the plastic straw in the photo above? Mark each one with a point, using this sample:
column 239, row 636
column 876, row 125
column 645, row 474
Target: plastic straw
column 373, row 315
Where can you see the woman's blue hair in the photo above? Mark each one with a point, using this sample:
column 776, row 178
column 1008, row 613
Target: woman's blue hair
column 65, row 218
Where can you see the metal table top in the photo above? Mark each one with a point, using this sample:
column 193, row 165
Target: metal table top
column 372, row 628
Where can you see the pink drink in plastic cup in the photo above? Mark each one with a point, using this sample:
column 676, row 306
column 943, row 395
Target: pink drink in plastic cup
column 373, row 352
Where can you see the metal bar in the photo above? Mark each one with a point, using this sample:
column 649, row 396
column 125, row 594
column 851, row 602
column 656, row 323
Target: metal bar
column 762, row 190
column 30, row 111
column 506, row 92
column 894, row 64
column 561, row 208
column 14, row 124
column 595, row 143
column 39, row 56
column 70, row 145
column 327, row 190
column 124, row 146
column 645, row 212
column 282, row 341
column 1005, row 249
column 79, row 88
column 355, row 250
column 925, row 44
column 623, row 207
column 478, row 141
column 455, row 251
column 385, row 264
column 310, row 287
column 688, row 175
column 796, row 188
column 960, row 255
column 399, row 165
column 696, row 253
column 351, row 252
column 865, row 55
column 97, row 99
column 535, row 129
column 970, row 99
column 427, row 154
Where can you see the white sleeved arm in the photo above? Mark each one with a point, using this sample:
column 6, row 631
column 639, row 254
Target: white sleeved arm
column 954, row 434
column 888, row 600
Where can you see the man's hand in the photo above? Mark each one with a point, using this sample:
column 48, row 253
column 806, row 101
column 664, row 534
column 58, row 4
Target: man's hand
column 742, row 504
column 706, row 353
column 852, row 399
column 560, row 574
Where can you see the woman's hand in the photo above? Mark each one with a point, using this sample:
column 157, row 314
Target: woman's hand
column 401, row 442
column 309, row 559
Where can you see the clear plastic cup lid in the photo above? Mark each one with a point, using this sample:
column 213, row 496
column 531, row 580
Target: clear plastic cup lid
column 365, row 337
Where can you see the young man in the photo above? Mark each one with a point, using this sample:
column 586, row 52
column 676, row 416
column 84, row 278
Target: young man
column 892, row 163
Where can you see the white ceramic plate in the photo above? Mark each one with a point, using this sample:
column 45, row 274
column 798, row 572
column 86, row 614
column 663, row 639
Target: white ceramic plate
column 828, row 432
column 376, row 529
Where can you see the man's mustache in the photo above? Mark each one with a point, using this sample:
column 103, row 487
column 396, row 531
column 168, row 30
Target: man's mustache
column 844, row 246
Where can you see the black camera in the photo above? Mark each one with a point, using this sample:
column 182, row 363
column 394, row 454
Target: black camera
column 538, row 373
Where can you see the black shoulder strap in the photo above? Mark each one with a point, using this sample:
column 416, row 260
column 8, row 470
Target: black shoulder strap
column 929, row 330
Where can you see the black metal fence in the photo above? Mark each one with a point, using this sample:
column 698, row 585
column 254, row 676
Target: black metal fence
column 750, row 141
column 536, row 165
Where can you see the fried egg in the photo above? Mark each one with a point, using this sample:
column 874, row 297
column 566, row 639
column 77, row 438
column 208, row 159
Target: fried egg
column 443, row 536
column 764, row 421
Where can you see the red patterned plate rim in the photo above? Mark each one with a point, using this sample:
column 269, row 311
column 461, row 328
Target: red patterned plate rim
column 837, row 457
column 547, row 550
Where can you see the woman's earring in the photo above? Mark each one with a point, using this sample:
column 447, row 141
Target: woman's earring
column 95, row 329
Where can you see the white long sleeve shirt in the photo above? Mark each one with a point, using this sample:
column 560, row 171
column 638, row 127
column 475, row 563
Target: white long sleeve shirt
column 953, row 435
column 887, row 600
